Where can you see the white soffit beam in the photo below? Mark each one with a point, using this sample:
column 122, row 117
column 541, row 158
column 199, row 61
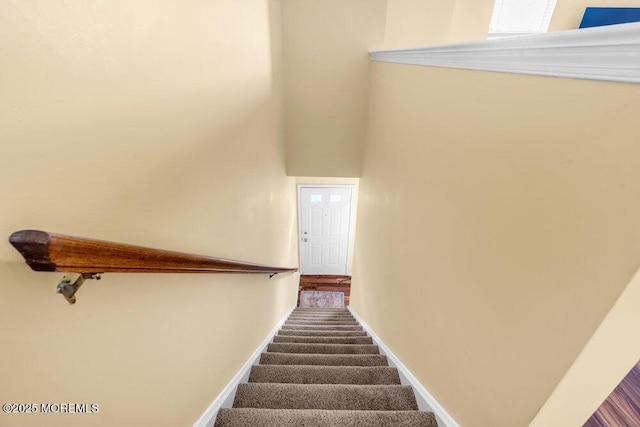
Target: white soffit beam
column 600, row 53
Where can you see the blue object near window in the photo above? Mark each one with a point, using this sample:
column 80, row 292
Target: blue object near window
column 599, row 16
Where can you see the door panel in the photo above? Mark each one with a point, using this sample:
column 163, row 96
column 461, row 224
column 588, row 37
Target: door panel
column 325, row 214
column 316, row 222
column 316, row 255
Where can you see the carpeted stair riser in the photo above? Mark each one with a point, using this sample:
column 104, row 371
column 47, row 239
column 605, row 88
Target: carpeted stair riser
column 323, row 359
column 324, row 327
column 325, row 396
column 312, row 333
column 323, row 340
column 306, row 348
column 243, row 417
column 304, row 374
column 321, row 323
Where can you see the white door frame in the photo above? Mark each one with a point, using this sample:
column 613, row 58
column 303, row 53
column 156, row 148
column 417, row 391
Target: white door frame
column 349, row 240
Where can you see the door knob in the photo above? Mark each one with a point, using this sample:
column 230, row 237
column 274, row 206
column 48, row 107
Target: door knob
column 305, row 239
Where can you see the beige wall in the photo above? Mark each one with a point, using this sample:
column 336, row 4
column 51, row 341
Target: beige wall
column 568, row 13
column 149, row 123
column 326, row 64
column 470, row 20
column 417, row 22
column 497, row 225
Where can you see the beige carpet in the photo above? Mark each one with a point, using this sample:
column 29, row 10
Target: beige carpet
column 323, row 370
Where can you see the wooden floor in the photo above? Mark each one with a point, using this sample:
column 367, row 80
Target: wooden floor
column 622, row 407
column 326, row 283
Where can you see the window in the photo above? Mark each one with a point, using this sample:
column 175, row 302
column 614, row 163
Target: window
column 520, row 17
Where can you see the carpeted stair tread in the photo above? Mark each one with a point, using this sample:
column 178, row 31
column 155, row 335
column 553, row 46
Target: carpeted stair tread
column 322, row 322
column 322, row 309
column 321, row 319
column 312, row 333
column 325, row 340
column 311, row 313
column 242, row 417
column 322, row 369
column 324, row 327
column 316, row 321
column 323, row 359
column 305, row 374
column 325, row 396
column 321, row 313
column 285, row 347
column 321, row 325
column 320, row 316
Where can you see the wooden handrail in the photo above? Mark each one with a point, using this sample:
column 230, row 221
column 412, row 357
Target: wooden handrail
column 45, row 251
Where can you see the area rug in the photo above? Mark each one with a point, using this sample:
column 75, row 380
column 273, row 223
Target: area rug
column 322, row 299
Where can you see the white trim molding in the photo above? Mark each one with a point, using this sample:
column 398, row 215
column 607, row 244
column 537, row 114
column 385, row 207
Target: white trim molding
column 609, row 53
column 426, row 401
column 228, row 393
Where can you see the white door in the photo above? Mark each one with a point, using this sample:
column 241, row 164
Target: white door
column 325, row 214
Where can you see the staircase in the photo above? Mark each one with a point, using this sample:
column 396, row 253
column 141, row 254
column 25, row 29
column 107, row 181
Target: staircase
column 323, row 370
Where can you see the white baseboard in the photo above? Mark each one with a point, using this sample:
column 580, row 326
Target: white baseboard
column 228, row 393
column 426, row 401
